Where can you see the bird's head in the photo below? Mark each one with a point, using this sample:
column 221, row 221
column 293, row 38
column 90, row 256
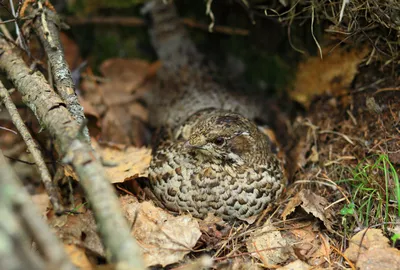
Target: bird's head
column 228, row 137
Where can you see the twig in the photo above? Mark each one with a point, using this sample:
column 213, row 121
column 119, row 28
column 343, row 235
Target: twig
column 344, row 257
column 19, row 222
column 135, row 22
column 344, row 136
column 216, row 28
column 17, row 30
column 4, row 29
column 52, row 115
column 10, row 130
column 387, row 89
column 46, row 25
column 33, row 148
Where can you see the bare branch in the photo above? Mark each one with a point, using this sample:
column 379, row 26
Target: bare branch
column 33, row 149
column 52, row 114
column 46, row 25
column 19, row 222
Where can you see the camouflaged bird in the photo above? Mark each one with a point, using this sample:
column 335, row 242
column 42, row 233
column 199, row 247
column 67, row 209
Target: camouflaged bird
column 215, row 160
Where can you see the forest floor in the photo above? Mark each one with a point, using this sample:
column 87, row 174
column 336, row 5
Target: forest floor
column 337, row 129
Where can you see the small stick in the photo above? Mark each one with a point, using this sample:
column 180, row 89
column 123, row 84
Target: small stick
column 33, row 148
column 52, row 114
column 139, row 22
column 20, row 221
column 47, row 26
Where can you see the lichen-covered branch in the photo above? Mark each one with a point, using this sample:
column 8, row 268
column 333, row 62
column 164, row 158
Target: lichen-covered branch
column 19, row 223
column 53, row 116
column 47, row 25
column 33, row 149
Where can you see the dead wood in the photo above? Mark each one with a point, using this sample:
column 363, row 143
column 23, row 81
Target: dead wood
column 21, row 223
column 33, row 149
column 46, row 25
column 54, row 117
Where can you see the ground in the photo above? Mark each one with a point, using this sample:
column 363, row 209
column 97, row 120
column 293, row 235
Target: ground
column 337, row 129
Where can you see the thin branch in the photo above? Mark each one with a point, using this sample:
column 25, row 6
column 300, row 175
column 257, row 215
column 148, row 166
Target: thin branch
column 33, row 149
column 19, row 222
column 136, row 22
column 4, row 29
column 53, row 116
column 46, row 25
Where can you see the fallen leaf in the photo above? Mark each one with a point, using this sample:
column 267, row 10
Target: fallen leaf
column 268, row 245
column 125, row 163
column 371, row 250
column 164, row 239
column 78, row 230
column 211, row 233
column 241, row 264
column 125, row 124
column 126, row 74
column 116, row 97
column 296, row 265
column 71, row 51
column 42, row 202
column 78, row 256
column 304, row 151
column 313, row 204
column 331, row 75
column 116, row 125
column 308, row 244
column 92, row 115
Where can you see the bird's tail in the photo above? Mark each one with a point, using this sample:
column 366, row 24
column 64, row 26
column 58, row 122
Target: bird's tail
column 169, row 37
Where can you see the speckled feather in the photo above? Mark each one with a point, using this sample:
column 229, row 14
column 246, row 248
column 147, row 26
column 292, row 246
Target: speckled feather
column 192, row 174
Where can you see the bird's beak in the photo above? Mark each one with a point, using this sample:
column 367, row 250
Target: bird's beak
column 190, row 144
column 187, row 144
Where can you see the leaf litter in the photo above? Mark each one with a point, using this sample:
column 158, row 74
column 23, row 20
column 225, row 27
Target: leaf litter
column 166, row 239
column 370, row 249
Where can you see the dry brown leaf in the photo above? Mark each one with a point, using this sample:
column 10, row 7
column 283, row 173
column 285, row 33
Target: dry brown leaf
column 42, row 202
column 128, row 80
column 291, row 206
column 78, row 257
column 268, row 245
column 211, row 233
column 313, row 204
column 371, row 250
column 138, row 111
column 78, row 230
column 296, row 265
column 164, row 239
column 125, row 124
column 71, row 51
column 125, row 82
column 92, row 115
column 125, row 163
column 241, row 264
column 331, row 75
column 379, row 259
column 306, row 243
column 116, row 126
column 128, row 74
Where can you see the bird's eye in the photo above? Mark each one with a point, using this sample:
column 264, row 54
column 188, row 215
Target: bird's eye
column 219, row 141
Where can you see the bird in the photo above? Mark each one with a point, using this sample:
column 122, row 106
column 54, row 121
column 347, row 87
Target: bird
column 212, row 158
column 220, row 163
